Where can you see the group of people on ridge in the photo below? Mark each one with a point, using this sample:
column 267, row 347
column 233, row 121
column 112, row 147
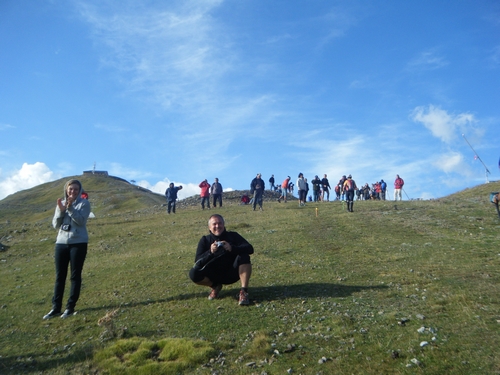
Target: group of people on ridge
column 320, row 191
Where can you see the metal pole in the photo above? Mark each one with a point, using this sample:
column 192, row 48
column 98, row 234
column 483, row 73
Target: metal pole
column 405, row 193
column 475, row 154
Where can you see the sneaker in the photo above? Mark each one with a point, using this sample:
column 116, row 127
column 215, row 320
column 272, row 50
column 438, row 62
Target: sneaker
column 52, row 314
column 214, row 293
column 67, row 313
column 243, row 298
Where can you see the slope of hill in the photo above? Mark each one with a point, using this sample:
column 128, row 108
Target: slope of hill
column 393, row 288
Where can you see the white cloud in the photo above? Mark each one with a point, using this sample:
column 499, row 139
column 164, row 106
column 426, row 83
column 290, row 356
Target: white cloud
column 174, row 54
column 427, row 60
column 6, row 126
column 28, row 176
column 442, row 125
column 109, row 128
column 452, row 162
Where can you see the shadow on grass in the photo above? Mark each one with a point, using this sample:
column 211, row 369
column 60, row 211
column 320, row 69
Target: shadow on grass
column 36, row 363
column 259, row 294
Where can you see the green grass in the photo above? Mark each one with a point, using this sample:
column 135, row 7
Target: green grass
column 335, row 286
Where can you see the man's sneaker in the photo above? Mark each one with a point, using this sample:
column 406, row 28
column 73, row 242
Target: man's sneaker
column 243, row 298
column 52, row 314
column 214, row 293
column 67, row 313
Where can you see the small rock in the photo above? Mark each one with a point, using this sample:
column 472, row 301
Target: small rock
column 423, row 343
column 415, row 361
column 322, row 360
column 421, row 330
column 250, row 364
column 420, row 316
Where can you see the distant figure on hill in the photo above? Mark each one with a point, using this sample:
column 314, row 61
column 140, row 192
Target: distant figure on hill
column 222, row 257
column 284, row 189
column 171, row 195
column 302, row 189
column 257, row 187
column 316, row 182
column 398, row 186
column 341, row 186
column 326, row 188
column 495, row 199
column 205, row 194
column 216, row 191
column 70, row 218
column 349, row 188
column 383, row 189
column 271, row 182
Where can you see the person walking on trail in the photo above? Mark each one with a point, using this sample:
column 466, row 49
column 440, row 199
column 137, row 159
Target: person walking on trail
column 257, row 187
column 171, row 195
column 349, row 188
column 284, row 189
column 222, row 258
column 398, row 186
column 205, row 194
column 216, row 191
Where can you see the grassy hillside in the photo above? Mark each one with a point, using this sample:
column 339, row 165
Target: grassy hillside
column 332, row 292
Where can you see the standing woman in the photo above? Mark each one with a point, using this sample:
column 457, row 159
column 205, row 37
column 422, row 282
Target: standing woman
column 70, row 218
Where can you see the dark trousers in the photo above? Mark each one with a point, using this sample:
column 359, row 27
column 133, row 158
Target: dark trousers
column 73, row 255
column 205, row 199
column 171, row 206
column 220, row 273
column 257, row 198
column 217, row 197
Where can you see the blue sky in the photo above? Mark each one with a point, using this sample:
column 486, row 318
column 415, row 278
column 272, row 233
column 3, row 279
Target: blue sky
column 161, row 91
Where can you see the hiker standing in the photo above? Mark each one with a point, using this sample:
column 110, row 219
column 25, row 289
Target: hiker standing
column 398, row 186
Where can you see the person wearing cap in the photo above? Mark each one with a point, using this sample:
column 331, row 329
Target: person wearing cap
column 349, row 188
column 257, row 187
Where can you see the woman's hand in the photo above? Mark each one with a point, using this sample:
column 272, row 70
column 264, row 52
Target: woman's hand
column 61, row 206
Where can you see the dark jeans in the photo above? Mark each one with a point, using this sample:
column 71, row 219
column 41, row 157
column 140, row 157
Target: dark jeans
column 257, row 198
column 205, row 199
column 217, row 197
column 349, row 195
column 171, row 206
column 73, row 255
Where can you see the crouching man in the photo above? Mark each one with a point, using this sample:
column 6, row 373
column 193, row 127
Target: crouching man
column 222, row 257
